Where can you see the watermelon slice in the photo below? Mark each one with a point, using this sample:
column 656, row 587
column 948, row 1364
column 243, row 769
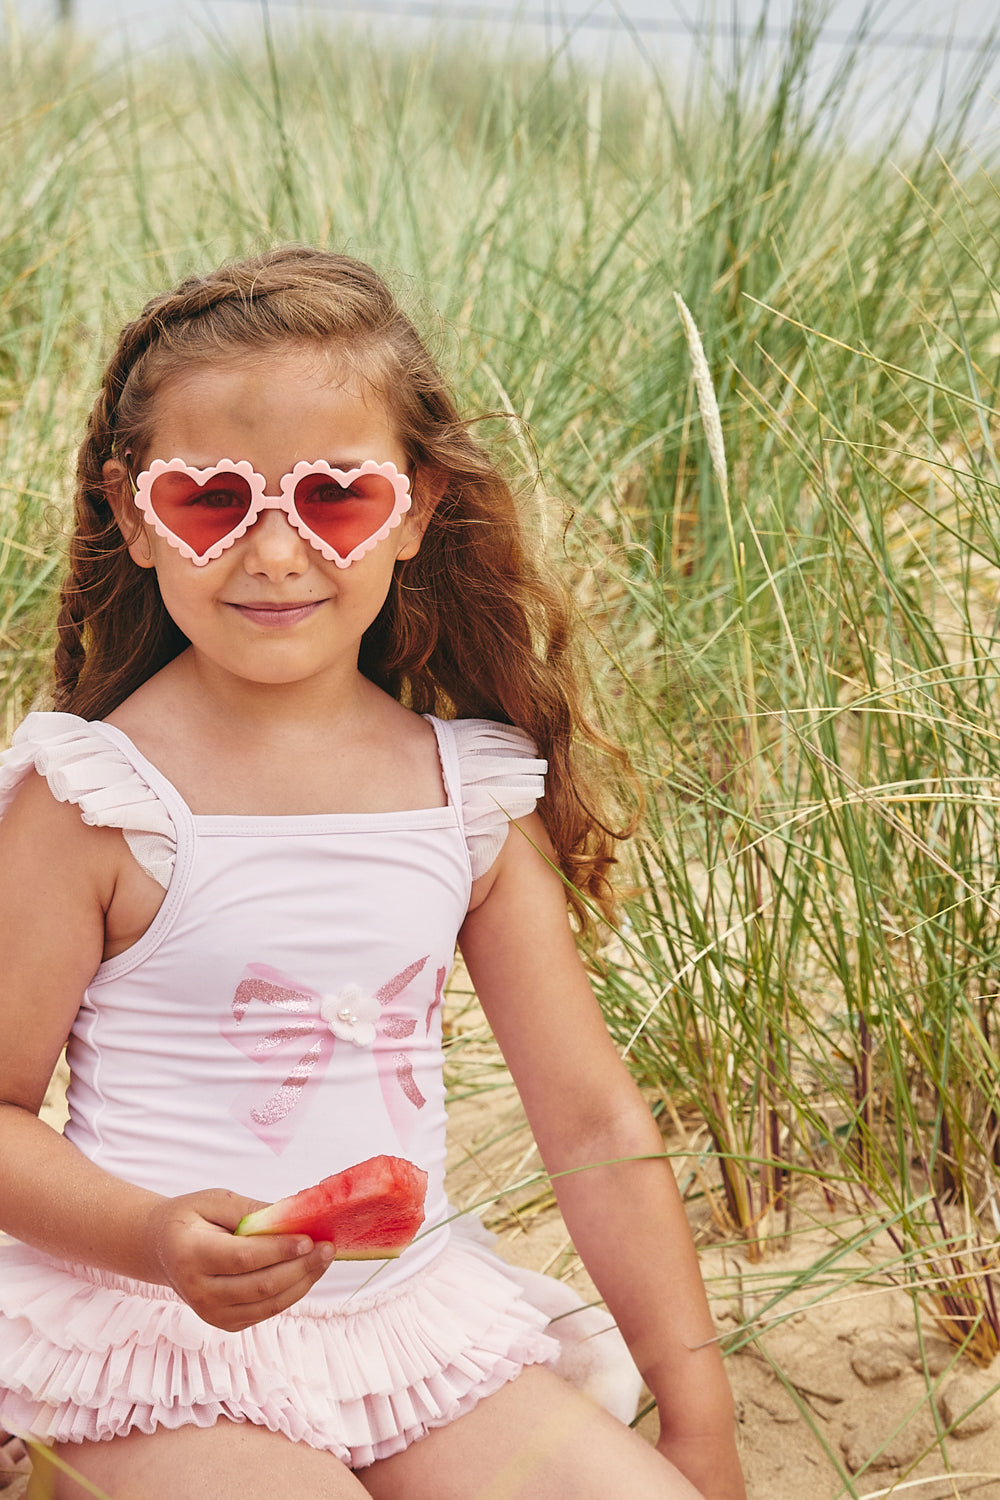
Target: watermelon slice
column 370, row 1211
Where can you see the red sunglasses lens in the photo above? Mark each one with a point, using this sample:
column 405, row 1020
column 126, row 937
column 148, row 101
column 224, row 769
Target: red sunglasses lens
column 344, row 516
column 201, row 514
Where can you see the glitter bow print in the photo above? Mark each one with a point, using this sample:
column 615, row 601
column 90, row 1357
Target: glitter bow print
column 290, row 1029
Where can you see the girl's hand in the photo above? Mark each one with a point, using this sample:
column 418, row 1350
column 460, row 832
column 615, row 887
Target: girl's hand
column 710, row 1461
column 15, row 1461
column 231, row 1281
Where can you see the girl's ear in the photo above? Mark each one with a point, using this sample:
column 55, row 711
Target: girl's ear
column 428, row 487
column 118, row 489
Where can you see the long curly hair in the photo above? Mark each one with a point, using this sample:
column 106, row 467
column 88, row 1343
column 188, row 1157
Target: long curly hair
column 473, row 626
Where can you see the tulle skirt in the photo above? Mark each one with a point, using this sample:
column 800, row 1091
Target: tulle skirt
column 86, row 1355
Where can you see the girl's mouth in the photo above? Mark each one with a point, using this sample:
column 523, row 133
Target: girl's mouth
column 276, row 616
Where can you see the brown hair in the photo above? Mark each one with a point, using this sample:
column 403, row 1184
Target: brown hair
column 472, row 627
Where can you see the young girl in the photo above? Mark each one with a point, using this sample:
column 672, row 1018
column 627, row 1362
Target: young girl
column 299, row 626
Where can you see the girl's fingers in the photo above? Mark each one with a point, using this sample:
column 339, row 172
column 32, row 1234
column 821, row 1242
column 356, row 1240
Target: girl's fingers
column 14, row 1459
column 237, row 1254
column 233, row 1281
column 232, row 1254
column 221, row 1206
column 262, row 1283
column 243, row 1300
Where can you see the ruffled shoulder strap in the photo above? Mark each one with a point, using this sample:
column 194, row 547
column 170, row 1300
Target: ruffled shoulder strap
column 499, row 777
column 83, row 766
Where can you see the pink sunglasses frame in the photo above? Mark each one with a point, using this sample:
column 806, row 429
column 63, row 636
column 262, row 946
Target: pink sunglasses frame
column 260, row 501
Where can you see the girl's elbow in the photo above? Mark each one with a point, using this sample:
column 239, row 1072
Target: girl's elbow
column 605, row 1128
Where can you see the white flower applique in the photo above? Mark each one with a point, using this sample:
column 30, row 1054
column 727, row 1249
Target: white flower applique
column 351, row 1015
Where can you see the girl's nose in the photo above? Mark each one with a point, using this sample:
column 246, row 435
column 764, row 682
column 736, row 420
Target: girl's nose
column 274, row 547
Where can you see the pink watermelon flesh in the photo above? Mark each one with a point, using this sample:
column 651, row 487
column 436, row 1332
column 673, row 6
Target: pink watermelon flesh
column 370, row 1211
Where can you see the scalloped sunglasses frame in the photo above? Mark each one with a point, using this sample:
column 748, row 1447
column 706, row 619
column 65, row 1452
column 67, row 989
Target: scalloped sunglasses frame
column 375, row 497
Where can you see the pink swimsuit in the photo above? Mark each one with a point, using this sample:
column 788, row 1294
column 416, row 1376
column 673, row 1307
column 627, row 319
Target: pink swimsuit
column 279, row 1020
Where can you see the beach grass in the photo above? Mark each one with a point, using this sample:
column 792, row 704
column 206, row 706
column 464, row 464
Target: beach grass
column 745, row 366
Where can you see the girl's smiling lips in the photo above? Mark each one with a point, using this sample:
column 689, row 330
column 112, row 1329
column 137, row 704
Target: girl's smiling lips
column 277, row 615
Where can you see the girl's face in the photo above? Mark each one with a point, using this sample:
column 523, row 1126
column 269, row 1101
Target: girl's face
column 271, row 608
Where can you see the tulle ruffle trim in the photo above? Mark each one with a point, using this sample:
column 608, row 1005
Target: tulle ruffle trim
column 85, row 1355
column 501, row 778
column 82, row 767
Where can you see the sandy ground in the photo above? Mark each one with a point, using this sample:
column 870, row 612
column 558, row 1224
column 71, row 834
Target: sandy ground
column 832, row 1395
column 838, row 1397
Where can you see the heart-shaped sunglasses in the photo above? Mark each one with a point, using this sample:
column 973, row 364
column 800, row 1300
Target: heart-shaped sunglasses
column 343, row 513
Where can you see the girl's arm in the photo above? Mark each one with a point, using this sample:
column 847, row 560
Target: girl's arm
column 58, row 881
column 627, row 1219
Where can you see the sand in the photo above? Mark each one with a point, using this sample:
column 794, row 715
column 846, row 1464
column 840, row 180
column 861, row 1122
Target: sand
column 831, row 1395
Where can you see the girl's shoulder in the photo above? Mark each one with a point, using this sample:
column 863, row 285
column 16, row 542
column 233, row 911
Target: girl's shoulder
column 492, row 774
column 83, row 763
column 494, row 771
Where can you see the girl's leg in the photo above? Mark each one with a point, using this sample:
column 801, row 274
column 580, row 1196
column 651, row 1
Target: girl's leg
column 230, row 1461
column 535, row 1439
